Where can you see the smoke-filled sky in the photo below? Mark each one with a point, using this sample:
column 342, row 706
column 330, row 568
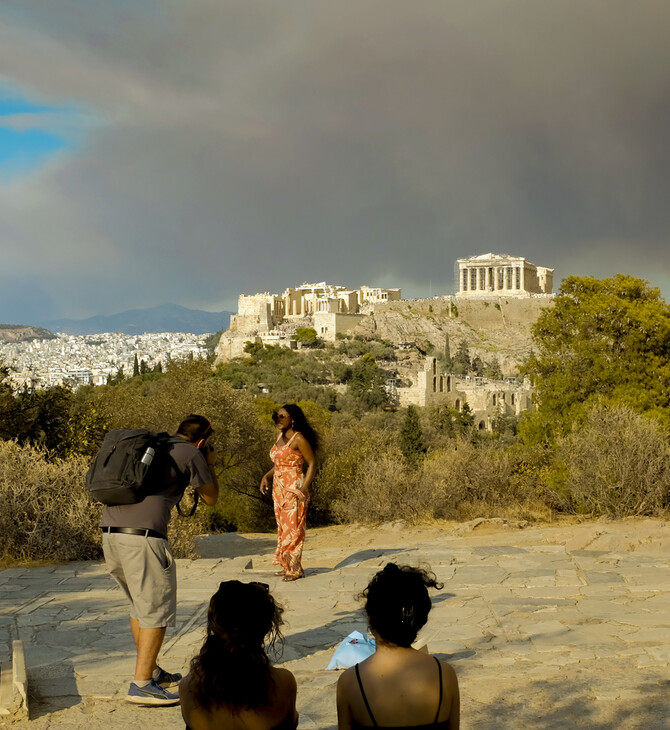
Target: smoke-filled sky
column 192, row 150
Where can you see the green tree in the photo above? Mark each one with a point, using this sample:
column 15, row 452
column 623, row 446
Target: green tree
column 460, row 363
column 478, row 367
column 453, row 422
column 411, row 440
column 307, row 337
column 136, row 366
column 367, row 382
column 492, row 370
column 603, row 339
column 253, row 348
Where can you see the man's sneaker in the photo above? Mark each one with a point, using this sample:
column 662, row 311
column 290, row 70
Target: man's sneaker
column 165, row 679
column 151, row 694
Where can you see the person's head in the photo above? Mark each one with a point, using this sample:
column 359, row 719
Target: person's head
column 397, row 602
column 290, row 415
column 241, row 615
column 196, row 429
column 232, row 668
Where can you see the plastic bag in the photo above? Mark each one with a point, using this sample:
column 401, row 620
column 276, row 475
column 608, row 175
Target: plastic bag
column 354, row 649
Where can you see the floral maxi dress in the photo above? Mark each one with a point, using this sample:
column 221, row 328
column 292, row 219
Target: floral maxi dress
column 290, row 507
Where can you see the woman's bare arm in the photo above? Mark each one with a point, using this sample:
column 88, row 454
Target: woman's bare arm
column 265, row 481
column 305, row 448
column 450, row 684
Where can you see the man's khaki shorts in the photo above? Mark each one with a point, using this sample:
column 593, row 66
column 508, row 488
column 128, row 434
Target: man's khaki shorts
column 146, row 572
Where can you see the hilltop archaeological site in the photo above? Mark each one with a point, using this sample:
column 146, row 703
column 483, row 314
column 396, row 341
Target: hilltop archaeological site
column 498, row 299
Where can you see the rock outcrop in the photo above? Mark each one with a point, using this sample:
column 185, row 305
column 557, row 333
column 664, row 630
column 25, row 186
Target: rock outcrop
column 23, row 333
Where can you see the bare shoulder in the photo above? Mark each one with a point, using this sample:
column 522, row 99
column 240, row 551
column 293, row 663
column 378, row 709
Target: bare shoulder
column 346, row 680
column 185, row 685
column 299, row 439
column 448, row 672
column 186, row 697
column 284, row 680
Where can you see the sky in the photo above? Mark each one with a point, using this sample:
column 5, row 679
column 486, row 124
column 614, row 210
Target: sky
column 188, row 151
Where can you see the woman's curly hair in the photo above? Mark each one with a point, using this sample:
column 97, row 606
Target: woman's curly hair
column 233, row 668
column 397, row 602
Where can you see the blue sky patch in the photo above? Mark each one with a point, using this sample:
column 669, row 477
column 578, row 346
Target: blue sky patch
column 10, row 107
column 23, row 151
column 27, row 145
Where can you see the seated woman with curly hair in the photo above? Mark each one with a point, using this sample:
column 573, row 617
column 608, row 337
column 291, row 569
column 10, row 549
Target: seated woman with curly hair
column 398, row 687
column 232, row 685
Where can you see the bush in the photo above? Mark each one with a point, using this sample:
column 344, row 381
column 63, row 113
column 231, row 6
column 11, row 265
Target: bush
column 384, row 490
column 46, row 511
column 467, row 474
column 368, row 480
column 617, row 463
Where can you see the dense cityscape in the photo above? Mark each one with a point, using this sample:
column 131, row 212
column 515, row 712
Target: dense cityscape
column 94, row 359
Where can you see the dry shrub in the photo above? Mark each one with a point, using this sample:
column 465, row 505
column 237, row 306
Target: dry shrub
column 46, row 511
column 448, row 484
column 479, row 475
column 382, row 488
column 182, row 531
column 343, row 457
column 617, row 463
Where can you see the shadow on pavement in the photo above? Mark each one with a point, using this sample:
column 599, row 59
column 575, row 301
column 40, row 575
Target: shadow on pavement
column 233, row 545
column 370, row 554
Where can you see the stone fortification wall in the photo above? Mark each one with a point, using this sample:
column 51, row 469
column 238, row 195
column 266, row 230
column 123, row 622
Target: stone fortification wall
column 501, row 312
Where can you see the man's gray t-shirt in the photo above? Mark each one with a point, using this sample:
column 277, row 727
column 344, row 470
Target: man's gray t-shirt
column 153, row 512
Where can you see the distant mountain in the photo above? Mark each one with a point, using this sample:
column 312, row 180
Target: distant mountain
column 163, row 318
column 23, row 333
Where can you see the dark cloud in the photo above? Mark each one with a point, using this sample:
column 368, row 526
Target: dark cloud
column 244, row 146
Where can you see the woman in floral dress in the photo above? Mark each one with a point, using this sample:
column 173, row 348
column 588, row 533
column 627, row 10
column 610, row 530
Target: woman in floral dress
column 294, row 459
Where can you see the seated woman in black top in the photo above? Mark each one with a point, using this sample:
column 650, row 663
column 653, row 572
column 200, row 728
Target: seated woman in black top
column 398, row 687
column 231, row 685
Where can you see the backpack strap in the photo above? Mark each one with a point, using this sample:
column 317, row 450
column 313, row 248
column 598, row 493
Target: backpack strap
column 196, row 499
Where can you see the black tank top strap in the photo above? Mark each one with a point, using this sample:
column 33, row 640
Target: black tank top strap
column 365, row 699
column 439, row 706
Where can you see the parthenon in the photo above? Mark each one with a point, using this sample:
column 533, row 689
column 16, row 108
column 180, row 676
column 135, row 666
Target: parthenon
column 502, row 275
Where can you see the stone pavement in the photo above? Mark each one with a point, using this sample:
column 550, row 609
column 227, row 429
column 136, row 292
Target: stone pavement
column 546, row 627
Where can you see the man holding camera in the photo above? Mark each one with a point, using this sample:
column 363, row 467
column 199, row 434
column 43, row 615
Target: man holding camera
column 139, row 558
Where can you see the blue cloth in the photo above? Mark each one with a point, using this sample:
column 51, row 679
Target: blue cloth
column 354, row 649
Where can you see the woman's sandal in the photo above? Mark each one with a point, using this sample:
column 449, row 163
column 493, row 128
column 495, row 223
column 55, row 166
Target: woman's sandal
column 280, row 572
column 288, row 578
